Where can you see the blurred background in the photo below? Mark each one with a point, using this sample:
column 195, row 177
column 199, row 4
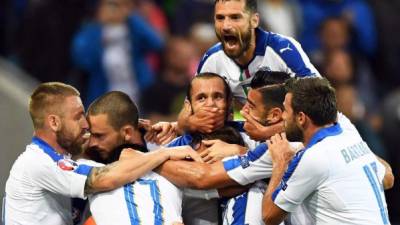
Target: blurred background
column 150, row 49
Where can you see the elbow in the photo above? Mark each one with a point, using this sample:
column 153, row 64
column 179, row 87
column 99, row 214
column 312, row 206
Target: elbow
column 267, row 219
column 388, row 181
column 201, row 179
column 268, row 215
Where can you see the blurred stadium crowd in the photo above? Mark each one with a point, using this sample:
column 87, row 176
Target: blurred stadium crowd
column 150, row 49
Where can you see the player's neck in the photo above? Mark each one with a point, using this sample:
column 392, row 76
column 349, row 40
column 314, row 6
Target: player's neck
column 51, row 139
column 136, row 138
column 311, row 131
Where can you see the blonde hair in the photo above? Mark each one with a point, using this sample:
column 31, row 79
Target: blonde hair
column 47, row 98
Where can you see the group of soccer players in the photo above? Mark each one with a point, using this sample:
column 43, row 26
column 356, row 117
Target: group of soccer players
column 294, row 159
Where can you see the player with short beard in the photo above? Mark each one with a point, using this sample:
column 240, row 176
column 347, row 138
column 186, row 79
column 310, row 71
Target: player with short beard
column 243, row 49
column 336, row 177
column 44, row 178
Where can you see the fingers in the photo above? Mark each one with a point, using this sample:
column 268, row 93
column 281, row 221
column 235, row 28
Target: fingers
column 149, row 136
column 145, row 123
column 250, row 119
column 161, row 133
column 210, row 160
column 283, row 135
column 168, row 140
column 207, row 158
column 209, row 143
column 204, row 153
column 163, row 129
column 195, row 156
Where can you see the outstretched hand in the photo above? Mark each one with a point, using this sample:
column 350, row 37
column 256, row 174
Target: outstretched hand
column 161, row 133
column 217, row 150
column 207, row 119
column 263, row 132
column 183, row 152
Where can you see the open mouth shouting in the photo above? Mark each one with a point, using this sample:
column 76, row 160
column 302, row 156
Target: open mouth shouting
column 235, row 44
column 231, row 42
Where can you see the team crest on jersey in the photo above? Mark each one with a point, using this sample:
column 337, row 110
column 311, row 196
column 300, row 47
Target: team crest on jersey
column 283, row 185
column 244, row 161
column 67, row 164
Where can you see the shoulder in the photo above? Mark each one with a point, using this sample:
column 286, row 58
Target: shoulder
column 291, row 54
column 33, row 161
column 214, row 49
column 185, row 139
column 313, row 161
column 283, row 46
column 278, row 40
column 211, row 54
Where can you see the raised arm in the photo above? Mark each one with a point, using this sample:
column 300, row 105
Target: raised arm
column 131, row 166
column 281, row 154
column 195, row 175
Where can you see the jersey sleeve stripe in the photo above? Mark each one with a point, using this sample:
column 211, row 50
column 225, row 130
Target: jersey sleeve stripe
column 243, row 160
column 210, row 52
column 83, row 169
column 321, row 134
column 291, row 53
column 231, row 164
column 291, row 168
column 185, row 139
column 262, row 41
column 47, row 149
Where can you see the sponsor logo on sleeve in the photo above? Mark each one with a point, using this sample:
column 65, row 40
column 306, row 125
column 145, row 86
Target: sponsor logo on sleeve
column 283, row 185
column 244, row 161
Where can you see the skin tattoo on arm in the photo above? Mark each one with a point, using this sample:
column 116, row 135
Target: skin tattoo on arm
column 96, row 174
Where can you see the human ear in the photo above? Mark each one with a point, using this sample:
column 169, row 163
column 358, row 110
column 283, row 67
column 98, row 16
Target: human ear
column 54, row 122
column 254, row 20
column 274, row 115
column 301, row 118
column 127, row 132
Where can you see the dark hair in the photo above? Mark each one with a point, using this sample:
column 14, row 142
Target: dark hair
column 264, row 77
column 227, row 134
column 250, row 5
column 315, row 97
column 228, row 92
column 273, row 95
column 119, row 108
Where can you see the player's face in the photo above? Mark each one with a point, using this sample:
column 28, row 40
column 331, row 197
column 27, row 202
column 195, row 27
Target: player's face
column 104, row 138
column 292, row 128
column 256, row 109
column 74, row 128
column 233, row 27
column 208, row 93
